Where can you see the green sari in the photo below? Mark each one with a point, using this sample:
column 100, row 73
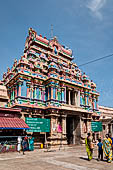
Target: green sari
column 31, row 144
column 107, row 147
column 88, row 150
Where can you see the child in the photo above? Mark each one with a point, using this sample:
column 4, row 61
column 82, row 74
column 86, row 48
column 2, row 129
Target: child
column 100, row 150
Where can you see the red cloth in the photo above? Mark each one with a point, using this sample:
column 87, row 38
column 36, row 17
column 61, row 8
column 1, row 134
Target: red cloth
column 59, row 129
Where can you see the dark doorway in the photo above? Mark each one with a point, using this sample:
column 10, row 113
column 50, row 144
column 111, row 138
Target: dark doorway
column 73, row 129
column 69, row 129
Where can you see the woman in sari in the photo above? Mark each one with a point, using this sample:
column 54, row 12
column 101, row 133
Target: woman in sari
column 107, row 147
column 25, row 145
column 89, row 146
column 31, row 143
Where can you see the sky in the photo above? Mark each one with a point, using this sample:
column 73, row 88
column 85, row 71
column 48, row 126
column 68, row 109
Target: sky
column 85, row 26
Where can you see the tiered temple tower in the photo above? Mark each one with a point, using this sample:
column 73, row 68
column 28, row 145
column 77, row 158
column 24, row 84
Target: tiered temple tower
column 46, row 83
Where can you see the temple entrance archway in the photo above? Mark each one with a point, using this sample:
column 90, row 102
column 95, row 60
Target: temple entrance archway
column 73, row 129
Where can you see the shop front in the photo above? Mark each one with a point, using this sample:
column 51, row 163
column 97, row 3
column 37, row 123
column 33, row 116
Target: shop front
column 11, row 126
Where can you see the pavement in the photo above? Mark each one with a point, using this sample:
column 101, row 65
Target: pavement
column 68, row 158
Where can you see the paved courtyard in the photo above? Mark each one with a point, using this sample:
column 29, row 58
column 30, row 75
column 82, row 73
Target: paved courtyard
column 67, row 158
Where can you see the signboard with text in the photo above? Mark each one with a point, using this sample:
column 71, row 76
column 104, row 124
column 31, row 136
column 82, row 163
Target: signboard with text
column 96, row 126
column 38, row 124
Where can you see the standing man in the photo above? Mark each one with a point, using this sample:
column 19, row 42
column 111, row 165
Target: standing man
column 19, row 141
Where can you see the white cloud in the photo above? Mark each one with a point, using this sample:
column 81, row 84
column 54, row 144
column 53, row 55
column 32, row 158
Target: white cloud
column 95, row 6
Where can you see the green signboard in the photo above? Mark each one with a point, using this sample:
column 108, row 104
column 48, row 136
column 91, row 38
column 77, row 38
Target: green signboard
column 96, row 126
column 38, row 124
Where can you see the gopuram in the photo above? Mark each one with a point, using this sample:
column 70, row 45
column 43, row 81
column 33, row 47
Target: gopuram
column 45, row 83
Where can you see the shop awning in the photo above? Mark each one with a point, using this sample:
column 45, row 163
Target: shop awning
column 12, row 123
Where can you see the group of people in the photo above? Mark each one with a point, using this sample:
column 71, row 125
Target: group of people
column 104, row 146
column 25, row 144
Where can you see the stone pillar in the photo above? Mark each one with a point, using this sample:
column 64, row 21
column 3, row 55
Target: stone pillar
column 69, row 101
column 31, row 92
column 75, row 98
column 85, row 98
column 56, row 93
column 28, row 90
column 88, row 126
column 40, row 89
column 65, row 94
column 59, row 95
column 97, row 104
column 64, row 125
column 15, row 87
column 43, row 94
column 64, row 139
column 52, row 122
column 93, row 105
column 35, row 92
column 19, row 89
column 13, row 93
column 62, row 94
column 78, row 99
column 48, row 93
column 51, row 93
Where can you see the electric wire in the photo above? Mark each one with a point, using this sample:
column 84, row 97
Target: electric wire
column 89, row 62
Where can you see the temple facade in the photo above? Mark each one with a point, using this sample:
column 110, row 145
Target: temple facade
column 45, row 83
